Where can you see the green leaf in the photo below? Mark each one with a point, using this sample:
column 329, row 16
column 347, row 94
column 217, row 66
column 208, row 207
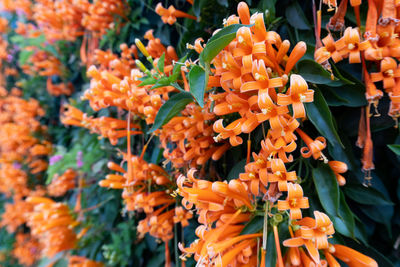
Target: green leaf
column 327, row 188
column 161, row 62
column 170, row 109
column 344, row 223
column 380, row 214
column 295, row 16
column 177, row 69
column 198, row 79
column 236, row 170
column 255, row 225
column 24, row 56
column 197, row 5
column 321, row 117
column 147, row 81
column 270, row 257
column 395, row 148
column 313, row 72
column 218, row 42
column 163, row 81
column 366, row 195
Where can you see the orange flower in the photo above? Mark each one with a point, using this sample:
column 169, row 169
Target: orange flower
column 297, row 94
column 280, row 175
column 338, row 167
column 314, row 147
column 388, row 73
column 169, row 15
column 352, row 258
column 294, row 201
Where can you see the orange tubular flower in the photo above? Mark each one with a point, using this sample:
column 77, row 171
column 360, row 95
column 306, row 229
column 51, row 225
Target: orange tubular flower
column 297, row 94
column 388, row 73
column 280, row 175
column 338, row 167
column 314, row 147
column 263, row 81
column 313, row 233
column 169, row 15
column 352, row 45
column 61, row 184
column 26, row 249
column 352, row 258
column 231, row 131
column 77, row 261
column 294, row 202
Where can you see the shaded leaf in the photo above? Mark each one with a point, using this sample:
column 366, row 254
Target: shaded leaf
column 236, row 170
column 395, row 148
column 198, row 79
column 344, row 223
column 366, row 195
column 313, row 72
column 170, row 109
column 177, row 69
column 296, row 18
column 321, row 117
column 255, row 225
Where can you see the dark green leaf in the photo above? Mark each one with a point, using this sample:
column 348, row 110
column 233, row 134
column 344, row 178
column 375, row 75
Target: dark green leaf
column 236, row 170
column 319, row 114
column 295, row 16
column 160, row 64
column 366, row 195
column 198, row 79
column 255, row 225
column 327, row 188
column 381, row 214
column 270, row 257
column 344, row 223
column 313, row 72
column 395, row 148
column 170, row 109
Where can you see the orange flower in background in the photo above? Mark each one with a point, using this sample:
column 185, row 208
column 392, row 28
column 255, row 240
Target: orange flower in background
column 61, row 184
column 52, row 224
column 26, row 249
column 169, row 15
column 77, row 261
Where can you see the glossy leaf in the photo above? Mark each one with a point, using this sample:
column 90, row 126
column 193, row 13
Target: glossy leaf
column 170, row 109
column 319, row 114
column 255, row 225
column 313, row 72
column 218, row 42
column 327, row 188
column 366, row 195
column 147, row 81
column 198, row 79
column 270, row 257
column 296, row 18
